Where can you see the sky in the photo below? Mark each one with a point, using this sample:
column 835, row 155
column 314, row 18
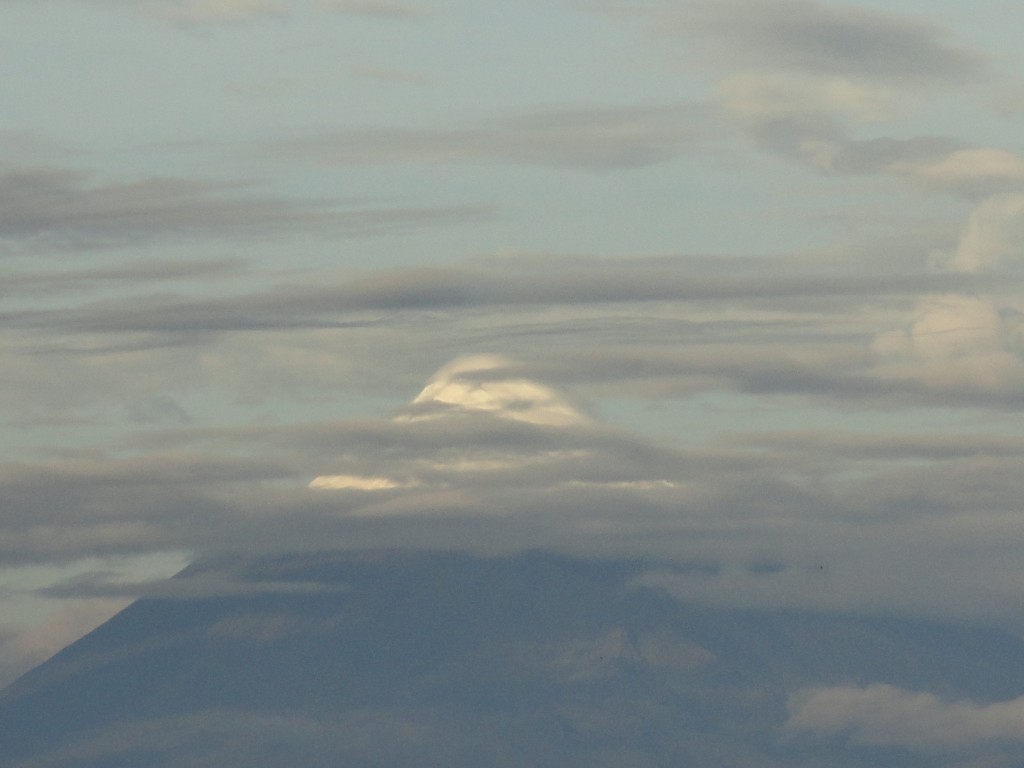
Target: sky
column 733, row 285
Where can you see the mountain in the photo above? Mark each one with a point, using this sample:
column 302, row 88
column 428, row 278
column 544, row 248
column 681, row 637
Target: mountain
column 401, row 658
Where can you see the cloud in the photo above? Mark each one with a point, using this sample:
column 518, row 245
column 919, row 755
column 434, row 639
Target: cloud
column 194, row 12
column 971, row 172
column 804, row 117
column 883, row 715
column 807, row 118
column 766, row 96
column 583, row 138
column 206, row 406
column 803, row 79
column 382, row 8
column 20, row 650
column 70, row 509
column 835, row 41
column 186, row 586
column 993, row 236
column 850, row 522
column 489, row 285
column 354, row 482
column 61, row 207
column 958, row 343
column 480, row 383
column 472, row 385
column 482, row 437
column 963, row 342
column 884, row 446
column 42, row 283
column 655, row 327
column 157, row 409
column 794, row 70
column 389, row 75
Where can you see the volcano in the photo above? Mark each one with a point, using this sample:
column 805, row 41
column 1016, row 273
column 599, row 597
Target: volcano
column 411, row 658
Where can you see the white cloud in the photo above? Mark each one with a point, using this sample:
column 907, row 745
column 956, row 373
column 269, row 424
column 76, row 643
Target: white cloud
column 968, row 342
column 883, row 715
column 807, row 116
column 632, row 485
column 972, row 171
column 994, row 236
column 957, row 343
column 479, row 384
column 355, row 482
column 770, row 95
column 480, row 391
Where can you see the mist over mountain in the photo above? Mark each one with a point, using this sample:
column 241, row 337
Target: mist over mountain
column 583, row 383
column 401, row 658
column 493, row 579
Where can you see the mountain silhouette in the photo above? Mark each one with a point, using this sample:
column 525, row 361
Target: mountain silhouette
column 403, row 658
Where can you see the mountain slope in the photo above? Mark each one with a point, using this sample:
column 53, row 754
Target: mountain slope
column 417, row 659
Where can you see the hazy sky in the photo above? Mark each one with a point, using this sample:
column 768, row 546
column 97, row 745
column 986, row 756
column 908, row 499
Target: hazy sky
column 738, row 283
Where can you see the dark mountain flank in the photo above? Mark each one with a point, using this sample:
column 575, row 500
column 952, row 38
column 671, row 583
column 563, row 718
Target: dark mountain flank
column 443, row 659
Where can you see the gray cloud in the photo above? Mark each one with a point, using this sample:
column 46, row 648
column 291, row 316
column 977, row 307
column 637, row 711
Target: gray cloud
column 933, row 163
column 78, row 281
column 837, row 521
column 887, row 447
column 198, row 14
column 594, row 138
column 381, row 8
column 881, row 154
column 68, row 509
column 559, row 282
column 157, row 409
column 186, row 587
column 21, row 649
column 807, row 119
column 122, row 378
column 795, row 75
column 61, row 207
column 650, row 327
column 809, row 36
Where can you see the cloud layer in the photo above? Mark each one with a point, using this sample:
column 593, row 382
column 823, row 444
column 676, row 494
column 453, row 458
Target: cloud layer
column 731, row 285
column 882, row 715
